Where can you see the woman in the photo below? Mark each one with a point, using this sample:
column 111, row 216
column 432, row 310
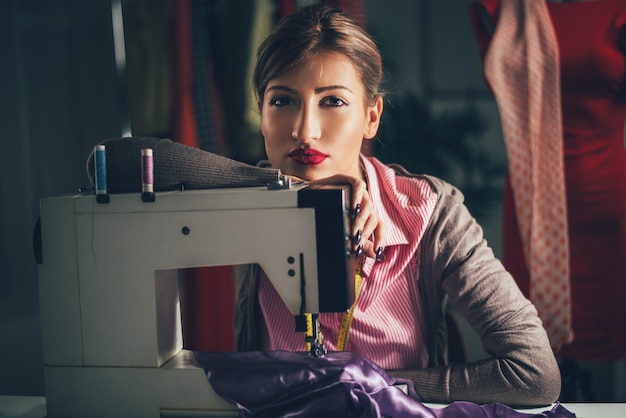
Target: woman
column 318, row 79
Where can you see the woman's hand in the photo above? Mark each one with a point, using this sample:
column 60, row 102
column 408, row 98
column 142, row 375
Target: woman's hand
column 368, row 232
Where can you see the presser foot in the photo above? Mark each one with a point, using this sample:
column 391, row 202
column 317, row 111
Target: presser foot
column 313, row 337
column 315, row 341
column 317, row 350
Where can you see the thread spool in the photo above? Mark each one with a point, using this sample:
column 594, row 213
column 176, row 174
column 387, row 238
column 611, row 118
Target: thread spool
column 100, row 170
column 147, row 175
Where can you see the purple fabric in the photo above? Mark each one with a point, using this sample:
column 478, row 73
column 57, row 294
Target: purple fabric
column 287, row 384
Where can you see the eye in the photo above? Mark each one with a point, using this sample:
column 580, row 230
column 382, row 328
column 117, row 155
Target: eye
column 281, row 101
column 333, row 102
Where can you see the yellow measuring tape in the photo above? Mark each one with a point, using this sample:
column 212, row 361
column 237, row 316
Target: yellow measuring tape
column 309, row 330
column 346, row 317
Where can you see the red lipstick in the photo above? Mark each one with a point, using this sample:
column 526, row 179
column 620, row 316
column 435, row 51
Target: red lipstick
column 307, row 156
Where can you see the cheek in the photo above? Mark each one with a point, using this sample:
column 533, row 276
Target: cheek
column 272, row 126
column 264, row 123
column 272, row 139
column 350, row 127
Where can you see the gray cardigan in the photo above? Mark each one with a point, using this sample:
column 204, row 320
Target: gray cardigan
column 457, row 266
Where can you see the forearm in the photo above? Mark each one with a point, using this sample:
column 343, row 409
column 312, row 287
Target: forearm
column 483, row 382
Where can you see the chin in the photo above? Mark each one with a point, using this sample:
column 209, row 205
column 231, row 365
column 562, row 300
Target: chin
column 305, row 172
column 312, row 175
column 302, row 172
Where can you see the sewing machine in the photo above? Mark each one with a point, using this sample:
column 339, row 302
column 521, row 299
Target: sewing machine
column 108, row 287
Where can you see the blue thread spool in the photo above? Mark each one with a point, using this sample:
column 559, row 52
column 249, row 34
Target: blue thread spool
column 101, row 174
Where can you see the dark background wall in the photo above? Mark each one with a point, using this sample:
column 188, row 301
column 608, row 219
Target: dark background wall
column 58, row 97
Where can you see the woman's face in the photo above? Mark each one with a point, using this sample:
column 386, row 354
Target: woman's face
column 315, row 117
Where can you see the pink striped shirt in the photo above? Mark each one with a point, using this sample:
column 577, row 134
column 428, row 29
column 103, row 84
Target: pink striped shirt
column 388, row 321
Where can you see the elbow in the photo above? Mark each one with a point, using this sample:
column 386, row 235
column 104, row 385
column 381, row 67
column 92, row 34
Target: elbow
column 542, row 388
column 548, row 380
column 549, row 386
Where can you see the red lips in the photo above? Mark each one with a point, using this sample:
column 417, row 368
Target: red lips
column 307, row 156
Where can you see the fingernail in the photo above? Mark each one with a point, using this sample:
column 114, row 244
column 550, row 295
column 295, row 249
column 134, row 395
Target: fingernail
column 359, row 251
column 357, row 210
column 357, row 237
column 379, row 254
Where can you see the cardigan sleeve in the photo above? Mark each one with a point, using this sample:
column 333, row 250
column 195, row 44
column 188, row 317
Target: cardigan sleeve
column 457, row 263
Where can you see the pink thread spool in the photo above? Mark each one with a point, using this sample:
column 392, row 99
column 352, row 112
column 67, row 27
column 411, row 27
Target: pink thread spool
column 147, row 175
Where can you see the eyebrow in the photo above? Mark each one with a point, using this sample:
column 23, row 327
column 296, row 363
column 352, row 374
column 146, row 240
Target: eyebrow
column 317, row 90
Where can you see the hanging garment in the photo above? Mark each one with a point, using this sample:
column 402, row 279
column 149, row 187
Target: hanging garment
column 522, row 68
column 591, row 38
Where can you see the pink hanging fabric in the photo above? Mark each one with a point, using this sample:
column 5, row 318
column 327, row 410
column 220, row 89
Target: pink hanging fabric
column 522, row 67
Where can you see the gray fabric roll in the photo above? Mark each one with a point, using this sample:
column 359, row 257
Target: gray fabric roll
column 176, row 166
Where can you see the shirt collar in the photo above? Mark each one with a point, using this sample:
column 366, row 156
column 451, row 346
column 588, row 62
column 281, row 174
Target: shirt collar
column 396, row 232
column 404, row 203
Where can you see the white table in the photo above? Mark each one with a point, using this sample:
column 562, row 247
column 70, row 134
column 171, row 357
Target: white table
column 22, row 407
column 35, row 407
column 582, row 410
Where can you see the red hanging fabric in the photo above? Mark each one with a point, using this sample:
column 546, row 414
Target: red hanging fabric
column 184, row 128
column 285, row 7
column 355, row 8
column 207, row 293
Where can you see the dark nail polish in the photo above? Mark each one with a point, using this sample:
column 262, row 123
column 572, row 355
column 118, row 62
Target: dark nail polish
column 379, row 254
column 357, row 237
column 357, row 210
column 359, row 251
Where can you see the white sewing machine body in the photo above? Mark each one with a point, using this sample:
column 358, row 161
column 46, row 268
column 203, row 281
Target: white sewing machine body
column 109, row 298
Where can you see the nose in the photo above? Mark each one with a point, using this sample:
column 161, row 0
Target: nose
column 307, row 125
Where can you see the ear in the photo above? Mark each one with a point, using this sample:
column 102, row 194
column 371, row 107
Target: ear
column 374, row 111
